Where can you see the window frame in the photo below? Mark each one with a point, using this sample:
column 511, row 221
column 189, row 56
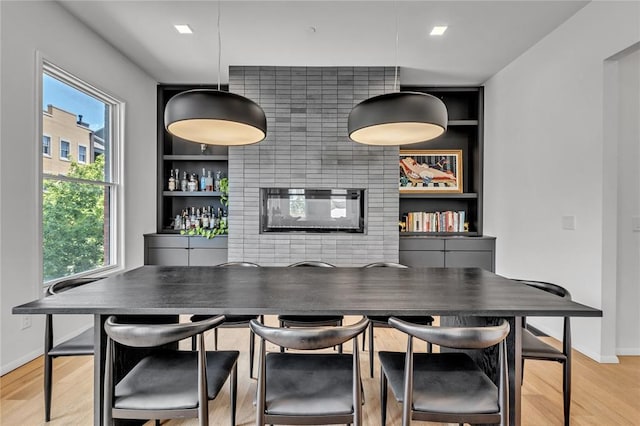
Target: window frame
column 62, row 142
column 85, row 154
column 44, row 154
column 113, row 174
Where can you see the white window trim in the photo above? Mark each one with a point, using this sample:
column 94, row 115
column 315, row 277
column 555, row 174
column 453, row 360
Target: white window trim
column 50, row 146
column 68, row 157
column 116, row 127
column 86, row 151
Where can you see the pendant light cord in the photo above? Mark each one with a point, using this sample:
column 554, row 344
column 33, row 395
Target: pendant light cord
column 395, row 78
column 219, row 45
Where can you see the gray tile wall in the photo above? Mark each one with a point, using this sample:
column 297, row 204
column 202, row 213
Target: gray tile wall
column 307, row 147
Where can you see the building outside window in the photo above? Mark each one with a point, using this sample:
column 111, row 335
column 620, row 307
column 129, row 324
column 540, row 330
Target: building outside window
column 79, row 195
column 46, row 145
column 64, row 149
column 82, row 154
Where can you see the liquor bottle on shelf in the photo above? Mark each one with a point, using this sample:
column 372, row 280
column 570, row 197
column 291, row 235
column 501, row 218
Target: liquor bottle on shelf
column 184, row 182
column 172, row 182
column 203, row 181
column 192, row 185
column 216, row 183
column 208, row 182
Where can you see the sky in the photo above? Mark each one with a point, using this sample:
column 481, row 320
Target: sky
column 72, row 100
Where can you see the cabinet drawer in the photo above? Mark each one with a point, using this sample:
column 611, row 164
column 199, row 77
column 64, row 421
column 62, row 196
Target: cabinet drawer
column 436, row 244
column 421, row 258
column 207, row 257
column 470, row 244
column 167, row 256
column 469, row 259
column 204, row 243
column 166, row 241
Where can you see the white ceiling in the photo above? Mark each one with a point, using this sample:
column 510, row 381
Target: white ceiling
column 483, row 36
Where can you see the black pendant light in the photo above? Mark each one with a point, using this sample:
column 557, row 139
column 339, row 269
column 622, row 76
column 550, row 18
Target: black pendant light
column 214, row 117
column 397, row 118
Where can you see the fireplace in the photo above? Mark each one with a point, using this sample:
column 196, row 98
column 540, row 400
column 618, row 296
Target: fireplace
column 312, row 210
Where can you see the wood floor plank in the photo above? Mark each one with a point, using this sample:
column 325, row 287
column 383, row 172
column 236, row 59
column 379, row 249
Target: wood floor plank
column 603, row 394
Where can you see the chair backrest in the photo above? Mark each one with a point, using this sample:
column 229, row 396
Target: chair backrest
column 312, row 263
column 385, row 265
column 148, row 335
column 455, row 337
column 548, row 287
column 309, row 338
column 62, row 286
column 247, row 264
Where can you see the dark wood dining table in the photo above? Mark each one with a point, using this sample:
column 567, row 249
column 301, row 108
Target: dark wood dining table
column 448, row 292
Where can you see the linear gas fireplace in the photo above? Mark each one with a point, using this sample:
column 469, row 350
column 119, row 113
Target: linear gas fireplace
column 312, row 210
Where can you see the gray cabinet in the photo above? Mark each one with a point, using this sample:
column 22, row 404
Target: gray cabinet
column 448, row 252
column 180, row 250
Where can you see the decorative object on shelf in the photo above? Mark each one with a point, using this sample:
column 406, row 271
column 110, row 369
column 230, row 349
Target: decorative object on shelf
column 430, row 171
column 224, row 191
column 398, row 118
column 214, row 117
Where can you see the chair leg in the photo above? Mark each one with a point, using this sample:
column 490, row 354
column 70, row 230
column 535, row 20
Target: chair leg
column 429, row 347
column 370, row 349
column 48, row 367
column 252, row 347
column 193, row 343
column 215, row 339
column 383, row 398
column 234, row 393
column 566, row 391
column 281, row 326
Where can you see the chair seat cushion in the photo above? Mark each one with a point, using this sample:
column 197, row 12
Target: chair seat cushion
column 534, row 348
column 168, row 380
column 443, row 383
column 415, row 319
column 82, row 344
column 228, row 319
column 310, row 320
column 301, row 384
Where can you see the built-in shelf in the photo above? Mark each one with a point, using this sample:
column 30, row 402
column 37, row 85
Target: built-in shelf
column 196, row 157
column 191, row 193
column 466, row 195
column 462, row 123
column 438, row 234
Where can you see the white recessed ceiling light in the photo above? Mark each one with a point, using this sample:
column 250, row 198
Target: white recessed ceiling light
column 438, row 30
column 183, row 29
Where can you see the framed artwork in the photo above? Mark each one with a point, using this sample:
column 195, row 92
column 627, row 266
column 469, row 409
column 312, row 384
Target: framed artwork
column 430, row 171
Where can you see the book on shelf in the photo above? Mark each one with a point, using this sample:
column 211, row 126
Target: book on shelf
column 446, row 221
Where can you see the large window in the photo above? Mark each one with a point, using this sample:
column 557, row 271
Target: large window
column 79, row 193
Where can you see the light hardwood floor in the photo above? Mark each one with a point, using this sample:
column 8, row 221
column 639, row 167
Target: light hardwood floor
column 603, row 394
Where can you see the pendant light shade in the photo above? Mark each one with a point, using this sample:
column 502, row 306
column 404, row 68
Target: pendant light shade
column 214, row 117
column 398, row 118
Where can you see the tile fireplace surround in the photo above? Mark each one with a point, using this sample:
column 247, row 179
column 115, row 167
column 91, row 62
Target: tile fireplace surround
column 307, row 147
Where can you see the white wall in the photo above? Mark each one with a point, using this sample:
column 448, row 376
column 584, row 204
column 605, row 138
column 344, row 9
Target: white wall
column 544, row 145
column 628, row 167
column 28, row 27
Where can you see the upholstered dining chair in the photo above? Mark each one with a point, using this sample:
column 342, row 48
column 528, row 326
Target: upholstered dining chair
column 310, row 320
column 446, row 387
column 383, row 321
column 309, row 388
column 534, row 348
column 81, row 344
column 232, row 321
column 166, row 383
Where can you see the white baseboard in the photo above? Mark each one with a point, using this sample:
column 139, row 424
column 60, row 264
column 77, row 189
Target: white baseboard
column 6, row 368
column 628, row 351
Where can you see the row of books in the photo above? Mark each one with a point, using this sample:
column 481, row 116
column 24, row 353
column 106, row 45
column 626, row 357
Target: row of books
column 447, row 221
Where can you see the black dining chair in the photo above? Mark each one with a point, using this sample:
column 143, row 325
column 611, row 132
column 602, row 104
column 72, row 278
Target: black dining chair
column 446, row 387
column 535, row 349
column 310, row 320
column 232, row 321
column 166, row 383
column 383, row 321
column 79, row 345
column 306, row 387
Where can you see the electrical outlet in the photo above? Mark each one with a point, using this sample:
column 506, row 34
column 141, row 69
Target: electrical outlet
column 26, row 322
column 569, row 222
